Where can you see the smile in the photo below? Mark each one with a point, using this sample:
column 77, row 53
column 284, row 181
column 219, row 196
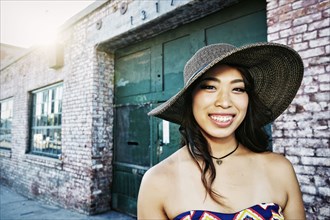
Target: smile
column 222, row 120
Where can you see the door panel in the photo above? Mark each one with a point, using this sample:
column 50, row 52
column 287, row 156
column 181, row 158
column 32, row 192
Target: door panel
column 248, row 29
column 125, row 187
column 176, row 54
column 131, row 154
column 132, row 134
column 133, row 74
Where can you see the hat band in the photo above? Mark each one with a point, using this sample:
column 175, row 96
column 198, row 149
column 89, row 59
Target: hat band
column 195, row 73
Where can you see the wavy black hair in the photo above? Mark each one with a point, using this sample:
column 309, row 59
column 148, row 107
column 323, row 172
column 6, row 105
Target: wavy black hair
column 250, row 133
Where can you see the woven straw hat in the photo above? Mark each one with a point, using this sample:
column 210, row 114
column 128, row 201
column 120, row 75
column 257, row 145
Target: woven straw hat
column 277, row 71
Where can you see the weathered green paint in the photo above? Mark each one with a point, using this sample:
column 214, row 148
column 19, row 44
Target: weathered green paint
column 133, row 75
column 149, row 73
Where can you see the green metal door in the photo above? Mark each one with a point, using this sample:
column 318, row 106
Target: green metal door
column 149, row 73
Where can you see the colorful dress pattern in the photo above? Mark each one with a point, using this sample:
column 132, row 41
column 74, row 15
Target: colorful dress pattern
column 262, row 211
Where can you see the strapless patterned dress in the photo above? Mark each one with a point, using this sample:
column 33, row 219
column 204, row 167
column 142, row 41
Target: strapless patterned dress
column 262, row 211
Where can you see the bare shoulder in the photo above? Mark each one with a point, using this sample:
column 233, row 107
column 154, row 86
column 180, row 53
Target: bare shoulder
column 160, row 177
column 155, row 187
column 277, row 163
column 165, row 170
column 287, row 181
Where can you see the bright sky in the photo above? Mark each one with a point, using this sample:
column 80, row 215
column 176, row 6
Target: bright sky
column 25, row 23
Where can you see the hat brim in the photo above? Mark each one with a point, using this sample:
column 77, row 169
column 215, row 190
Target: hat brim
column 277, row 71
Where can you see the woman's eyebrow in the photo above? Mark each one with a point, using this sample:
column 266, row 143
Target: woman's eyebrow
column 218, row 80
column 237, row 81
column 210, row 79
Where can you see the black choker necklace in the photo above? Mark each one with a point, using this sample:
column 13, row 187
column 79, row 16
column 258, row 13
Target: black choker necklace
column 219, row 159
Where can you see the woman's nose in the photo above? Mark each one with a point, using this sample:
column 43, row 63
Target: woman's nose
column 223, row 100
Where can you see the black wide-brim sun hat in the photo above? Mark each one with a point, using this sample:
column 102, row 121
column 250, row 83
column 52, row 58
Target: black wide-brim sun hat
column 277, row 71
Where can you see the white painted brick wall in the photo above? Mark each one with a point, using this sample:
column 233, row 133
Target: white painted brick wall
column 302, row 134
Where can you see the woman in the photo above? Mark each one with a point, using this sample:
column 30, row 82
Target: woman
column 224, row 170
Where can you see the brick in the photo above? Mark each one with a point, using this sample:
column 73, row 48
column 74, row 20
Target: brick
column 321, row 133
column 325, row 106
column 307, row 142
column 277, row 133
column 301, row 99
column 312, row 52
column 285, row 125
column 311, row 89
column 308, row 199
column 300, row 29
column 325, row 212
column 303, row 151
column 319, row 42
column 286, row 33
column 325, row 191
column 279, row 26
column 324, row 32
column 324, row 96
column 272, row 37
column 319, row 24
column 307, row 19
column 307, row 170
column 312, row 107
column 325, row 87
column 319, row 161
column 295, row 39
column 327, row 51
column 322, row 152
column 305, row 179
column 285, row 17
column 284, row 7
column 308, row 189
column 293, row 159
column 306, row 3
column 304, row 133
column 316, row 61
column 309, row 35
column 326, row 12
column 271, row 5
column 297, row 13
column 280, row 41
column 297, row 4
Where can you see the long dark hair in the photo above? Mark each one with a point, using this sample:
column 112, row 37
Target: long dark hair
column 250, row 133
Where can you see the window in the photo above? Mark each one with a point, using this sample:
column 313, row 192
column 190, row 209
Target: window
column 6, row 114
column 46, row 122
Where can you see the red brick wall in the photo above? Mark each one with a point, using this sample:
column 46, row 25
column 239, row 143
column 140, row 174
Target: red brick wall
column 302, row 133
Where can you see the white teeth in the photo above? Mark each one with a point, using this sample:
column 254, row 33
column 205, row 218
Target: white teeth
column 222, row 118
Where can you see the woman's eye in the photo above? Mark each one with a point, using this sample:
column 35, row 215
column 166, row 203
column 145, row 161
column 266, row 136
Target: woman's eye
column 239, row 90
column 207, row 87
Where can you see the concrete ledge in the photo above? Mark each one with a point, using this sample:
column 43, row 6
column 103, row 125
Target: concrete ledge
column 44, row 161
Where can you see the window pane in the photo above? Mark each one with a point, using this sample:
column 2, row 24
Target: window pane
column 46, row 129
column 6, row 115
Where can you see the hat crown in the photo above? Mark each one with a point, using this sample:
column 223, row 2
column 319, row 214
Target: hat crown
column 204, row 57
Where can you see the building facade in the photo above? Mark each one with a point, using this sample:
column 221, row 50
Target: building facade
column 74, row 129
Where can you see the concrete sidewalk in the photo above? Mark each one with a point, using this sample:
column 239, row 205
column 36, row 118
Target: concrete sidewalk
column 16, row 207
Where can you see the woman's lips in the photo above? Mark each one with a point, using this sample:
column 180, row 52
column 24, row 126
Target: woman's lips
column 222, row 120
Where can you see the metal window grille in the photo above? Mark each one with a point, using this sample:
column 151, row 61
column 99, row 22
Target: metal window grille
column 46, row 121
column 6, row 115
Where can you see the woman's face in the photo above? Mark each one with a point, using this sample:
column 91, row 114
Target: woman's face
column 220, row 102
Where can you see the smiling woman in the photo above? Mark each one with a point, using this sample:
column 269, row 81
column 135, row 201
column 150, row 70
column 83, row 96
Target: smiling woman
column 37, row 21
column 224, row 169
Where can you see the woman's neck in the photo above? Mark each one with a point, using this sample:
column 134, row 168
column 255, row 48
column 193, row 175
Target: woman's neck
column 221, row 146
